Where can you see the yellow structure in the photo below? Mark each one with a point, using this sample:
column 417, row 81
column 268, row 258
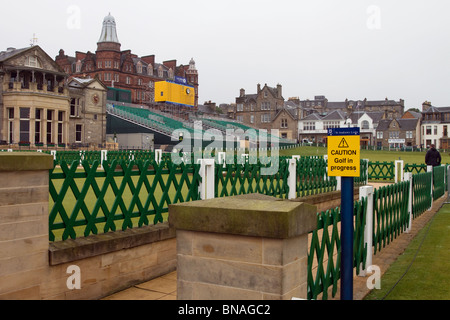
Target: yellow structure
column 170, row 92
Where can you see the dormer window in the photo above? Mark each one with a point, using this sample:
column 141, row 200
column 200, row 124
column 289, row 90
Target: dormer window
column 33, row 61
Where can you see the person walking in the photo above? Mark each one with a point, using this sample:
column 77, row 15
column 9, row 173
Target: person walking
column 433, row 157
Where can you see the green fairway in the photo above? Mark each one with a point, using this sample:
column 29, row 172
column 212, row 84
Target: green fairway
column 421, row 273
column 388, row 156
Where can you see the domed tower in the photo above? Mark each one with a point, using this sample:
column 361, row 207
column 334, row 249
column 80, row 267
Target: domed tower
column 108, row 38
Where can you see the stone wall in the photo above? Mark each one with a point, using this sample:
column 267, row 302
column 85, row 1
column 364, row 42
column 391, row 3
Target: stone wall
column 34, row 269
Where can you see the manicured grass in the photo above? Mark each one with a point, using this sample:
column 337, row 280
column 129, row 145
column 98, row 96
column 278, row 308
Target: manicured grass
column 424, row 265
column 388, row 156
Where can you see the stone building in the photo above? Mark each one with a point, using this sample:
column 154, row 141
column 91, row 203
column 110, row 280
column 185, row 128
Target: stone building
column 87, row 115
column 260, row 109
column 34, row 99
column 125, row 70
column 435, row 126
column 398, row 133
column 320, row 104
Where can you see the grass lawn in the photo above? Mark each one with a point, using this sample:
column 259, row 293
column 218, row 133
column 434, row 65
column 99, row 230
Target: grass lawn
column 388, row 156
column 428, row 277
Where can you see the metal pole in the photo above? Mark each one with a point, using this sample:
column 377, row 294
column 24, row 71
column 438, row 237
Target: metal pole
column 347, row 238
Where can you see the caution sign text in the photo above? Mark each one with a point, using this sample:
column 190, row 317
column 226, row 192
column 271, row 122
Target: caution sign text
column 344, row 152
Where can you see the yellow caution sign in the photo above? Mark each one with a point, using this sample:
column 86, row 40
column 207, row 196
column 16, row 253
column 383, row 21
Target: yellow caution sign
column 344, row 152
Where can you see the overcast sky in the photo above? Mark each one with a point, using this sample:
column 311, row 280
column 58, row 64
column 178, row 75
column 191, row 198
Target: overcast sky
column 355, row 49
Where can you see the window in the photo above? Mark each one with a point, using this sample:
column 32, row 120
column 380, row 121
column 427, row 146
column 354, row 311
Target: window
column 252, row 119
column 284, row 123
column 128, row 80
column 99, row 64
column 240, row 107
column 116, row 77
column 379, row 134
column 49, row 126
column 445, row 134
column 33, row 62
column 365, row 125
column 409, row 134
column 265, row 105
column 24, row 124
column 107, row 64
column 309, row 126
column 140, row 82
column 61, row 115
column 265, row 118
column 37, row 126
column 78, row 131
column 394, row 134
column 240, row 118
column 116, row 65
column 78, row 66
column 331, row 124
column 428, row 130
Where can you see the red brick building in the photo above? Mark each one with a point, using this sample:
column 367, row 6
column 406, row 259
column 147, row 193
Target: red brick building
column 125, row 70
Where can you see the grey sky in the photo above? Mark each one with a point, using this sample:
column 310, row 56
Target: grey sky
column 342, row 49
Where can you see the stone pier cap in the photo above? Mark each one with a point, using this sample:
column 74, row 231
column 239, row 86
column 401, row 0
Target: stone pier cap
column 252, row 215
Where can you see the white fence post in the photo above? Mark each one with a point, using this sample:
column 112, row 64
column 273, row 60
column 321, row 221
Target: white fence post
column 292, row 180
column 367, row 191
column 430, row 169
column 221, row 158
column 53, row 153
column 158, row 155
column 104, row 157
column 409, row 177
column 397, row 163
column 207, row 185
column 339, row 184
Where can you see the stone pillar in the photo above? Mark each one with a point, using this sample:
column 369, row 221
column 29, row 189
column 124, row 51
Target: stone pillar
column 23, row 223
column 250, row 247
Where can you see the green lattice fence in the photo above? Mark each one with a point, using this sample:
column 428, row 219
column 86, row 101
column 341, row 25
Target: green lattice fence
column 422, row 199
column 324, row 256
column 122, row 196
column 391, row 218
column 439, row 177
column 381, row 171
column 238, row 179
column 312, row 177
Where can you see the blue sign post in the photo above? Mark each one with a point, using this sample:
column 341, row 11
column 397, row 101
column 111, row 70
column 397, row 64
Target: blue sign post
column 340, row 142
column 347, row 238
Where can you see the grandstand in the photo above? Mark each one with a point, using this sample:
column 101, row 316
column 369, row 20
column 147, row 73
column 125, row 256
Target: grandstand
column 128, row 118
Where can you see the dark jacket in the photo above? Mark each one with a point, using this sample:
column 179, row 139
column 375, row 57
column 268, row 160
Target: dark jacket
column 433, row 158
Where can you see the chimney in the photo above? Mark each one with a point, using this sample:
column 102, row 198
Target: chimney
column 279, row 90
column 242, row 93
column 259, row 88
